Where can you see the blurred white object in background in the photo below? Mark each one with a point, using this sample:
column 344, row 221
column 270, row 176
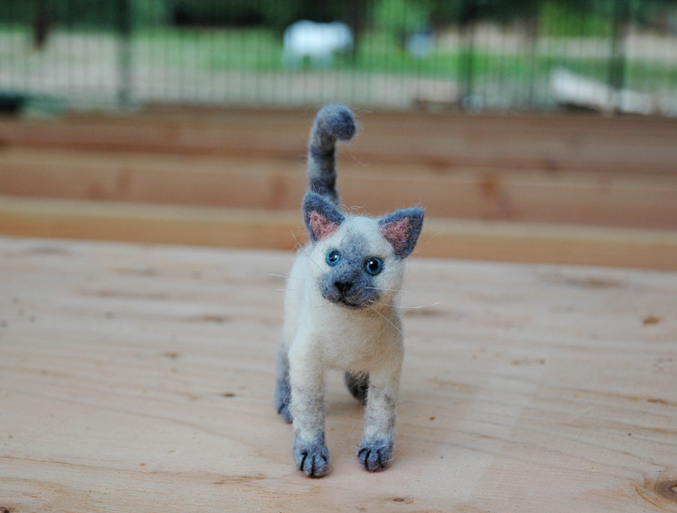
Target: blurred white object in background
column 569, row 88
column 317, row 41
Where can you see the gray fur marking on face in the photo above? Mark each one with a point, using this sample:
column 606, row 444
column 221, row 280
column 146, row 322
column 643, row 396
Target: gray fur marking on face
column 348, row 283
column 312, row 458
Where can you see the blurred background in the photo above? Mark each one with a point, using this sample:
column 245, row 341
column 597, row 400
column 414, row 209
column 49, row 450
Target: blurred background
column 532, row 130
column 493, row 55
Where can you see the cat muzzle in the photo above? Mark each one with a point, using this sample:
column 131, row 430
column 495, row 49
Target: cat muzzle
column 343, row 293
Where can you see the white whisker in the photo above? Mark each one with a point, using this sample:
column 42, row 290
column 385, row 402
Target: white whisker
column 375, row 310
column 407, row 307
column 304, row 251
column 288, row 277
column 297, row 241
column 298, row 244
column 381, row 288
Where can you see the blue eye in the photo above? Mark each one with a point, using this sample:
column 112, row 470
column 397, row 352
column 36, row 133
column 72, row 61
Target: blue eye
column 333, row 257
column 373, row 266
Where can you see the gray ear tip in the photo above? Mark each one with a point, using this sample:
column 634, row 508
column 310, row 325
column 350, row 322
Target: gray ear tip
column 338, row 121
column 414, row 214
column 418, row 213
column 414, row 217
column 315, row 203
column 311, row 199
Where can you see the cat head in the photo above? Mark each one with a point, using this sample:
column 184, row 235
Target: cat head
column 358, row 260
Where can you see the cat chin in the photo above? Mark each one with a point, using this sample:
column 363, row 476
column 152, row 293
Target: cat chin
column 343, row 303
column 352, row 306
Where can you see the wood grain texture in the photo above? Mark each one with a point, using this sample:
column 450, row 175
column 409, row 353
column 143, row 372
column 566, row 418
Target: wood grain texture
column 551, row 143
column 140, row 378
column 633, row 200
column 233, row 228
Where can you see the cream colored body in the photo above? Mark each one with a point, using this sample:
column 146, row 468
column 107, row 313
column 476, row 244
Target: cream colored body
column 319, row 334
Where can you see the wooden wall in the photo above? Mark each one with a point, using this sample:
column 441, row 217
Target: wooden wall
column 578, row 190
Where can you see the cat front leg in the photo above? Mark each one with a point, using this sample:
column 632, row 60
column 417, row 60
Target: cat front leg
column 306, row 377
column 376, row 448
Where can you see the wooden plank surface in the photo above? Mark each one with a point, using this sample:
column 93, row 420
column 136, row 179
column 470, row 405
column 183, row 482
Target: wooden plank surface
column 442, row 238
column 632, row 200
column 551, row 143
column 140, row 378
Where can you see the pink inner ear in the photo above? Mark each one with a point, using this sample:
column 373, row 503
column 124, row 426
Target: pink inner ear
column 321, row 226
column 396, row 233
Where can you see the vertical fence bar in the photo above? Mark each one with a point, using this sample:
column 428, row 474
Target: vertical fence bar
column 620, row 19
column 124, row 28
column 532, row 24
column 468, row 13
column 69, row 82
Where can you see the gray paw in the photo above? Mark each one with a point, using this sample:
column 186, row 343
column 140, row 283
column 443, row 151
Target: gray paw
column 282, row 407
column 282, row 399
column 311, row 458
column 376, row 454
column 284, row 412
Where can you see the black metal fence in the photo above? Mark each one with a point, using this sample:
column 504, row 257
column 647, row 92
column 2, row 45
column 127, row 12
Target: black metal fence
column 606, row 55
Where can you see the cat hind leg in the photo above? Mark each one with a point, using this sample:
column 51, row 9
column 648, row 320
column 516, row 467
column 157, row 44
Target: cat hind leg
column 282, row 389
column 357, row 385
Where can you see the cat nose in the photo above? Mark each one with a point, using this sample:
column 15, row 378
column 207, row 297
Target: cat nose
column 342, row 286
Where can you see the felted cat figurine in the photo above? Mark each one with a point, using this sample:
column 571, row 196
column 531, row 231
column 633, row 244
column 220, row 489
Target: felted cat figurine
column 340, row 309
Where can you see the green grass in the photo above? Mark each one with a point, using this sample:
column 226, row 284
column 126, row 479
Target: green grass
column 260, row 50
column 247, row 50
column 556, row 19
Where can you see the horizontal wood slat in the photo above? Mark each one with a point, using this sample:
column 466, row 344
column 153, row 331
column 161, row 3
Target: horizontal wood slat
column 636, row 145
column 195, row 176
column 593, row 198
column 490, row 241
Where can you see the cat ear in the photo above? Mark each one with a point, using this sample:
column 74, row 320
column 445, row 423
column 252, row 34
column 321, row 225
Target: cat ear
column 402, row 229
column 321, row 217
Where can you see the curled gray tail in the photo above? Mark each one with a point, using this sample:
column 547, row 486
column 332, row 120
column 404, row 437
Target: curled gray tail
column 332, row 123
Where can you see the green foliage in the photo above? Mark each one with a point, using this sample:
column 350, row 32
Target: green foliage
column 71, row 13
column 402, row 16
column 83, row 14
column 149, row 13
column 570, row 19
column 277, row 14
column 445, row 13
column 203, row 13
column 561, row 18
